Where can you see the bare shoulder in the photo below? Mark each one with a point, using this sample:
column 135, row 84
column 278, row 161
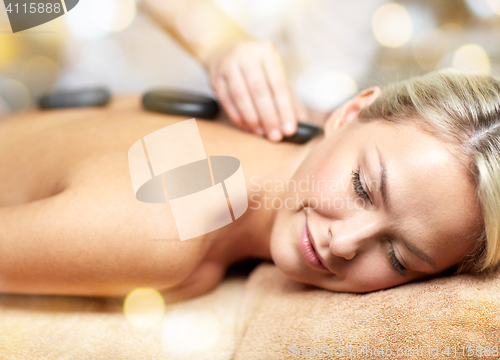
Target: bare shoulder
column 205, row 278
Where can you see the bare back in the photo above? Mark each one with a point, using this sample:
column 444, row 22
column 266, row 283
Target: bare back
column 71, row 222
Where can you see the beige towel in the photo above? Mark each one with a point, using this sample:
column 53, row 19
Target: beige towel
column 63, row 327
column 282, row 319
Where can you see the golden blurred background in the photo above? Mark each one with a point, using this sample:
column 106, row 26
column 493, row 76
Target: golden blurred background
column 113, row 43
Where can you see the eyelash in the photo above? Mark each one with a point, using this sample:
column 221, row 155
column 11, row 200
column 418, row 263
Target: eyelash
column 395, row 262
column 358, row 188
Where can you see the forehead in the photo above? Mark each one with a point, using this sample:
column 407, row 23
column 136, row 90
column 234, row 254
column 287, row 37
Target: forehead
column 434, row 200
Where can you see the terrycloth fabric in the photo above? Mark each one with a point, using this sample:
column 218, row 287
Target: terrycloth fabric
column 60, row 327
column 276, row 313
column 281, row 319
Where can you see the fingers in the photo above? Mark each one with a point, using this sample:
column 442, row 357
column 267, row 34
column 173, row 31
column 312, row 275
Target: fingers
column 252, row 86
column 275, row 72
column 222, row 92
column 262, row 97
column 241, row 96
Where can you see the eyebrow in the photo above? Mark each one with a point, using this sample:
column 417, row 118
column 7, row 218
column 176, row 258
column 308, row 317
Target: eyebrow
column 418, row 252
column 383, row 178
column 385, row 198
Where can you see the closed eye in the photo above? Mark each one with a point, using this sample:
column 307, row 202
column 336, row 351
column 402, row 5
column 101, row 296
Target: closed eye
column 358, row 187
column 395, row 262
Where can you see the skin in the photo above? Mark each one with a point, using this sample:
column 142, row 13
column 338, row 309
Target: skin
column 71, row 224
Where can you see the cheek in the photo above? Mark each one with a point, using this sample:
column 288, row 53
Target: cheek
column 325, row 174
column 365, row 275
column 365, row 281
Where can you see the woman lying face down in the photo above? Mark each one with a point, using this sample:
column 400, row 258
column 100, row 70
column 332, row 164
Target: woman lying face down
column 404, row 185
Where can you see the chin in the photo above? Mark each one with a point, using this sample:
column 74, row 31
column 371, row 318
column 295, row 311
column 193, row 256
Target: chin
column 284, row 253
column 287, row 258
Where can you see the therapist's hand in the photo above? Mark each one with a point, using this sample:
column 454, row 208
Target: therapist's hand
column 250, row 82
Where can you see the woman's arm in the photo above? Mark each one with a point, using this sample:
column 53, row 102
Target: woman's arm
column 247, row 75
column 198, row 25
column 92, row 240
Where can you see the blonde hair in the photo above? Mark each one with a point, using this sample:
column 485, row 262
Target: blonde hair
column 463, row 109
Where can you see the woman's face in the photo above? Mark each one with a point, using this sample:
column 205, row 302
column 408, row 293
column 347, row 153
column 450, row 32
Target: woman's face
column 380, row 204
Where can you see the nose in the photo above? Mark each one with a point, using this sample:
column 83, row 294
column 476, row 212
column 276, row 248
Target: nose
column 350, row 236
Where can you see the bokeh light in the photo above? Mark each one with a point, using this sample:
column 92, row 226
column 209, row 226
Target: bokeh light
column 8, row 49
column 429, row 46
column 15, row 94
column 81, row 23
column 144, row 307
column 94, row 19
column 471, row 57
column 495, row 5
column 392, row 25
column 484, row 8
column 113, row 15
column 186, row 333
column 323, row 90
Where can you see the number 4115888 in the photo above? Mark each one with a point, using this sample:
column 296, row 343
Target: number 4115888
column 472, row 351
column 35, row 8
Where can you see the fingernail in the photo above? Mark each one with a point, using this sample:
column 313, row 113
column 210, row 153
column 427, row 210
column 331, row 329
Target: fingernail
column 259, row 131
column 288, row 128
column 275, row 135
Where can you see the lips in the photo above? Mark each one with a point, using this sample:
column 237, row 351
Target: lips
column 307, row 249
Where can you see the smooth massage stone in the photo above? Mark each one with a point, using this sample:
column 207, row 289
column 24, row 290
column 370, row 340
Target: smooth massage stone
column 182, row 103
column 77, row 98
column 305, row 132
